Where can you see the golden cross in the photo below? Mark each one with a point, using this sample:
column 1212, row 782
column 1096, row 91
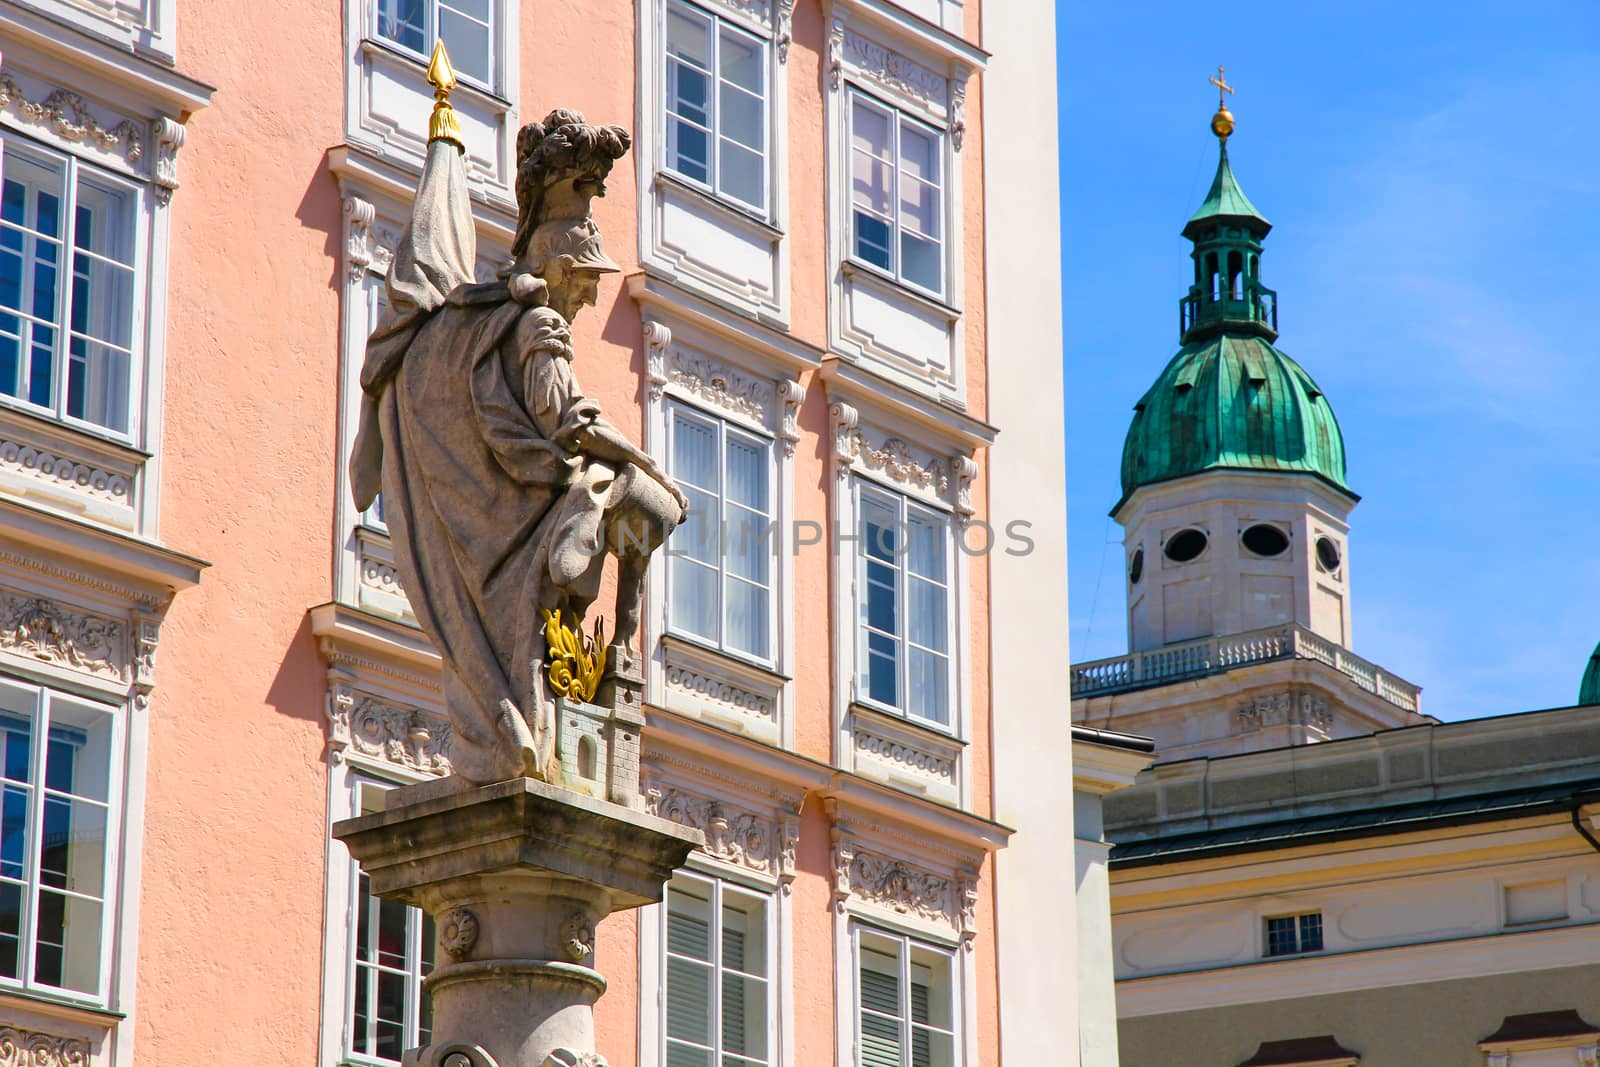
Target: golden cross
column 1222, row 87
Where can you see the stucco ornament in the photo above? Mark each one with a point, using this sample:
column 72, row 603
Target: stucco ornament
column 458, row 932
column 504, row 487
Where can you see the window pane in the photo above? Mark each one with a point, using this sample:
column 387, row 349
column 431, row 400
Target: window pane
column 10, row 930
column 72, row 848
column 403, row 22
column 872, row 241
column 689, row 1000
column 919, row 153
column 14, row 831
column 932, row 999
column 748, row 615
column 882, row 673
column 741, row 60
column 688, row 150
column 928, row 677
column 67, row 949
column 78, row 759
column 744, row 1015
column 741, row 175
column 741, row 118
column 920, row 262
column 687, row 1056
column 748, row 546
column 694, row 598
column 391, row 1015
column 694, row 455
column 468, row 43
column 927, row 620
column 98, row 384
column 689, row 36
column 16, row 734
column 748, row 463
column 927, row 545
column 102, row 221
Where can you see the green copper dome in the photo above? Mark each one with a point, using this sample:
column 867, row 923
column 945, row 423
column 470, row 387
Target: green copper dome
column 1229, row 400
column 1589, row 688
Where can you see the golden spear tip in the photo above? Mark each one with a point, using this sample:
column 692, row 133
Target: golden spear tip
column 443, row 124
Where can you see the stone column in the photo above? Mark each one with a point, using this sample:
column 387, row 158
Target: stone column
column 516, row 876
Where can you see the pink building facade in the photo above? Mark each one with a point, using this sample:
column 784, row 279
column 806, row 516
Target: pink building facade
column 206, row 658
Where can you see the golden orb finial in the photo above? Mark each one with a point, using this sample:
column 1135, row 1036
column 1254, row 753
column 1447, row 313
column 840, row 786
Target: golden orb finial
column 443, row 124
column 1222, row 121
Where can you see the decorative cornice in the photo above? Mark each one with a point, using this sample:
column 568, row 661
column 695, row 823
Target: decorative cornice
column 836, row 35
column 349, row 663
column 896, row 461
column 169, row 136
column 32, row 1048
column 958, row 112
column 401, row 735
column 719, row 385
column 888, row 68
column 67, row 115
column 963, row 469
column 78, row 640
column 793, row 396
column 785, row 29
column 657, row 342
column 733, row 835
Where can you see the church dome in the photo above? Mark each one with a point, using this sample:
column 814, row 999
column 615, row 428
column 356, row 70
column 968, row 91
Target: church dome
column 1589, row 688
column 1229, row 400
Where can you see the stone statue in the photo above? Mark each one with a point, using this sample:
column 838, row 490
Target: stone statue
column 504, row 487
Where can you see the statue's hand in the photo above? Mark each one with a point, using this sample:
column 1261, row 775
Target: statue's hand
column 580, row 416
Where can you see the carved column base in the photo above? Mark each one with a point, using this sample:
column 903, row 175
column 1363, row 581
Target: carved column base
column 516, row 876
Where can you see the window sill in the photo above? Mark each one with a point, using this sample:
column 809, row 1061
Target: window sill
column 59, row 1007
column 373, row 46
column 738, row 215
column 767, row 671
column 726, row 691
column 894, row 289
column 905, row 754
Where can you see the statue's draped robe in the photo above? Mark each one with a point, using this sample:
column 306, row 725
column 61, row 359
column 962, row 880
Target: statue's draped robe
column 467, row 478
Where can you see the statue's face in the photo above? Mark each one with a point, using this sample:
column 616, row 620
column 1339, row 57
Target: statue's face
column 576, row 290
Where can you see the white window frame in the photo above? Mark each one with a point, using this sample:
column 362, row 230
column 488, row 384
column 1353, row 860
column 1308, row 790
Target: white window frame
column 715, row 886
column 897, row 120
column 354, row 784
column 111, row 884
column 903, row 507
column 1299, row 918
column 712, row 186
column 72, row 167
column 724, row 429
column 904, row 945
column 430, row 33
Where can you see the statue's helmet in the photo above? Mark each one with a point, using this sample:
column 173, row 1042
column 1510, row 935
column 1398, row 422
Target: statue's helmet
column 577, row 240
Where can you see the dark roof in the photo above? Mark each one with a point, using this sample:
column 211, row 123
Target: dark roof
column 1299, row 1050
column 1113, row 739
column 1364, row 822
column 1540, row 1025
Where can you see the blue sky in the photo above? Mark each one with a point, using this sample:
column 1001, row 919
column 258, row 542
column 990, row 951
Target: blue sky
column 1432, row 172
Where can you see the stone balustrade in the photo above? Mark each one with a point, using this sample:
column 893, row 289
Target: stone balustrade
column 1213, row 655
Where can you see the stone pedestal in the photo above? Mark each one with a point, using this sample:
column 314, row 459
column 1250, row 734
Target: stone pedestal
column 516, row 876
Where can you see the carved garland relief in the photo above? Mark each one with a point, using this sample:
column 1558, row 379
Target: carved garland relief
column 400, row 735
column 78, row 640
column 765, row 844
column 876, row 879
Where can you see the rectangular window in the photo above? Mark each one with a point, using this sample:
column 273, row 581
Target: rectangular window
column 392, row 953
column 903, row 597
column 719, row 572
column 905, row 1003
column 57, row 817
column 718, row 975
column 69, row 242
column 467, row 28
column 716, row 104
column 897, row 194
column 1291, row 934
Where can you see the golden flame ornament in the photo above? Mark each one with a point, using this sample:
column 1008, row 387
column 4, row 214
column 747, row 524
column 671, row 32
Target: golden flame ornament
column 573, row 661
column 443, row 124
